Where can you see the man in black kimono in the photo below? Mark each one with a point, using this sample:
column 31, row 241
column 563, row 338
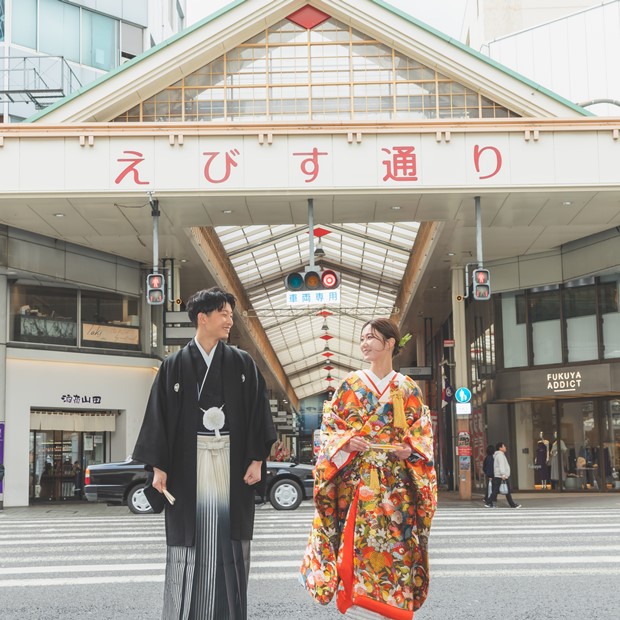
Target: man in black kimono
column 206, row 434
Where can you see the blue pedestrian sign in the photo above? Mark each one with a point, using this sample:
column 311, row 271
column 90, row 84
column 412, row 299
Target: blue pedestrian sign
column 462, row 395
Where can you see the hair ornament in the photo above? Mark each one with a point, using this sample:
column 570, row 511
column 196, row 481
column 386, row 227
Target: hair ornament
column 404, row 340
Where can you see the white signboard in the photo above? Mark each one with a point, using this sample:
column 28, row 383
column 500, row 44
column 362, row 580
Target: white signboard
column 306, row 298
column 463, row 408
column 60, row 161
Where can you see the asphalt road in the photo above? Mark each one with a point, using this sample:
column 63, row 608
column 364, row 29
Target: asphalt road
column 549, row 560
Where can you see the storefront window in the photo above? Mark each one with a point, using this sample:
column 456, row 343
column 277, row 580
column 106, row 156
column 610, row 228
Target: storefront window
column 58, row 460
column 514, row 330
column 48, row 315
column 611, row 444
column 45, row 315
column 579, row 299
column 610, row 315
column 110, row 321
column 535, row 432
column 544, row 315
column 579, row 432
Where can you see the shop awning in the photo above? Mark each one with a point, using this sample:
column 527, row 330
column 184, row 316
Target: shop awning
column 72, row 421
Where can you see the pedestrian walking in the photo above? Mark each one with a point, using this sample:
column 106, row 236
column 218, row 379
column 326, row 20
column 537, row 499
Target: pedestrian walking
column 501, row 475
column 375, row 490
column 488, row 471
column 206, row 434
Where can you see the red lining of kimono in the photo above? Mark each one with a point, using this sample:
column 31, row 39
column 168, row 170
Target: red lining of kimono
column 385, row 389
column 345, row 598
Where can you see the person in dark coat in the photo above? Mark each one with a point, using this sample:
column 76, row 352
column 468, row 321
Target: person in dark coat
column 488, row 469
column 206, row 434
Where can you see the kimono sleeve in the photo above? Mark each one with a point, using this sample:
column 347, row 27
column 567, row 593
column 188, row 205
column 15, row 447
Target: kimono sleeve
column 261, row 432
column 421, row 465
column 336, row 431
column 152, row 445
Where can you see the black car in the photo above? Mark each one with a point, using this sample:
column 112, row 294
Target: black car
column 123, row 483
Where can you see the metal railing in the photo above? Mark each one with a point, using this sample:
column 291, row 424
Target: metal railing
column 37, row 79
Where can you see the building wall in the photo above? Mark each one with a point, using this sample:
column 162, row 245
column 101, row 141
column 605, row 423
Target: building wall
column 577, row 56
column 486, row 20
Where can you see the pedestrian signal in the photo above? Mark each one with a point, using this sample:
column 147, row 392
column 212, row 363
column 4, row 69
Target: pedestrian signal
column 312, row 280
column 155, row 294
column 481, row 284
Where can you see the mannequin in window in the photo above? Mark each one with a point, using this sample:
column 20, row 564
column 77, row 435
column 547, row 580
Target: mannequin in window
column 558, row 460
column 542, row 461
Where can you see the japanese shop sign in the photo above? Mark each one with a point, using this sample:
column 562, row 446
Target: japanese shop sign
column 409, row 161
column 81, row 399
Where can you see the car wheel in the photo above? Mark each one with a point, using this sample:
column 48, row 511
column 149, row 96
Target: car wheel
column 285, row 494
column 137, row 502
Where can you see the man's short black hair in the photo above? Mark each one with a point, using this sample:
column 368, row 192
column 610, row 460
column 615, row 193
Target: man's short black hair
column 501, row 444
column 207, row 301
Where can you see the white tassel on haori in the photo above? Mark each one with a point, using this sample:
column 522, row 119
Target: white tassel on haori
column 213, row 419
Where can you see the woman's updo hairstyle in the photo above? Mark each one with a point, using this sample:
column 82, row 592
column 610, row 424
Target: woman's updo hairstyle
column 387, row 329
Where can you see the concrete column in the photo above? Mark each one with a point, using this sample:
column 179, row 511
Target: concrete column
column 461, row 379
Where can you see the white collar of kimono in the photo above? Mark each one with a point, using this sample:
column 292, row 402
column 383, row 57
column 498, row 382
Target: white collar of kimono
column 208, row 357
column 378, row 386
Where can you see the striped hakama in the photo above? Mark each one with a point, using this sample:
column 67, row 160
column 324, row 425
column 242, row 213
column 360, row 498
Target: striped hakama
column 209, row 581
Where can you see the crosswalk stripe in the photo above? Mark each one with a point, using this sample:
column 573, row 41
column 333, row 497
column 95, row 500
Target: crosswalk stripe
column 85, row 551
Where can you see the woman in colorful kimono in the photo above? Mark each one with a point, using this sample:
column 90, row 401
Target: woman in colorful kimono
column 375, row 491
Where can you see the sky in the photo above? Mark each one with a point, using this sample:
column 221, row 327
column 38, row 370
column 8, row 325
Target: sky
column 444, row 15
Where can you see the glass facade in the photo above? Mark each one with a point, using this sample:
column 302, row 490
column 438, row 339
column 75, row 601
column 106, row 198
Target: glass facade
column 567, row 444
column 332, row 72
column 49, row 315
column 63, row 38
column 24, row 23
column 573, row 322
column 78, row 34
column 1, row 20
column 99, row 41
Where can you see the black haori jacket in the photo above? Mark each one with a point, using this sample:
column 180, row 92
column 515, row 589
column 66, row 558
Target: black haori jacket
column 167, row 439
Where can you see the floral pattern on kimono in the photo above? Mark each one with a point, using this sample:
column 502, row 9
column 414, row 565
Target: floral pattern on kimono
column 373, row 511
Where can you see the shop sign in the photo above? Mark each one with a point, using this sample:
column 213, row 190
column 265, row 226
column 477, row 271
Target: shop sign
column 417, row 372
column 463, row 439
column 463, row 450
column 558, row 382
column 80, row 399
column 316, row 441
column 110, row 334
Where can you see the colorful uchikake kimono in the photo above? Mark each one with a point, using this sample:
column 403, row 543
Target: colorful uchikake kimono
column 369, row 539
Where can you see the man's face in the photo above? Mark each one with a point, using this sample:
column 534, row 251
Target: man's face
column 503, row 448
column 217, row 324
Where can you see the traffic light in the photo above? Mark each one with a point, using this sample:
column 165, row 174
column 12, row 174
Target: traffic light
column 312, row 280
column 155, row 294
column 481, row 284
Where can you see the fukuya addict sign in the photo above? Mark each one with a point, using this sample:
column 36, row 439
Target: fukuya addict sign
column 198, row 163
